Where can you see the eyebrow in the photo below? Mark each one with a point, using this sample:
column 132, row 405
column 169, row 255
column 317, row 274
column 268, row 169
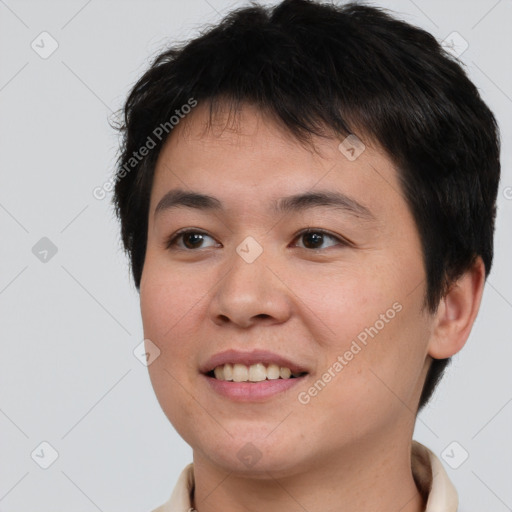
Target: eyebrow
column 178, row 198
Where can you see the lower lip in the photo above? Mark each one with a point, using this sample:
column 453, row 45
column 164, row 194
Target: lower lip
column 251, row 391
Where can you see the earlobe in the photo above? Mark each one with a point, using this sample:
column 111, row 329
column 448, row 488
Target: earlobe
column 457, row 312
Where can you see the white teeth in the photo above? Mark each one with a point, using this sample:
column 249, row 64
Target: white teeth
column 254, row 373
column 240, row 373
column 284, row 373
column 228, row 371
column 257, row 372
column 273, row 372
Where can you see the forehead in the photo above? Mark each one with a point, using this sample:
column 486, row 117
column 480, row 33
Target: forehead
column 247, row 156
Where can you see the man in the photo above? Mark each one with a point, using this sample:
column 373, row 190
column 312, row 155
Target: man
column 307, row 194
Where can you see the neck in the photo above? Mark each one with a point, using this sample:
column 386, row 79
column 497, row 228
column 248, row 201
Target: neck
column 358, row 479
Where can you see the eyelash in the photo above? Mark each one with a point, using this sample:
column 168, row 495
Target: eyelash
column 171, row 241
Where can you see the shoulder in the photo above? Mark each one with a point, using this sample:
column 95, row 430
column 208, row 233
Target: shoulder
column 181, row 496
column 432, row 480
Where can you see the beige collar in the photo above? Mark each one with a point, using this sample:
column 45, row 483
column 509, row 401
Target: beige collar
column 429, row 475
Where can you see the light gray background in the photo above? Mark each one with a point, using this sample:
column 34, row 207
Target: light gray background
column 68, row 375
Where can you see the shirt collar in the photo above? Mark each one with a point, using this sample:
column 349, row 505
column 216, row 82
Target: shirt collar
column 428, row 471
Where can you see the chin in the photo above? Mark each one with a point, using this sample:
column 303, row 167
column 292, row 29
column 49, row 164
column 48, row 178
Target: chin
column 251, row 457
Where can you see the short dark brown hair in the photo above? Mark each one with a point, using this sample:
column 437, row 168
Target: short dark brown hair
column 352, row 69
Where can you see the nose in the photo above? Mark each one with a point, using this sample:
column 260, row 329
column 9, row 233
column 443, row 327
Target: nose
column 250, row 293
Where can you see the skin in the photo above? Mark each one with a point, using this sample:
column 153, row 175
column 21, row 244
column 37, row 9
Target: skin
column 349, row 447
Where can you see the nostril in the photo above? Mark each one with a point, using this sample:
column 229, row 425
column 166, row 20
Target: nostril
column 224, row 319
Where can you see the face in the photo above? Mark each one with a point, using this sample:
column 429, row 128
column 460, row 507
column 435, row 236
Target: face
column 331, row 287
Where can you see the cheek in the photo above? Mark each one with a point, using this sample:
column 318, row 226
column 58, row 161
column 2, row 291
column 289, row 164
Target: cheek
column 167, row 297
column 166, row 304
column 167, row 307
column 345, row 304
column 372, row 321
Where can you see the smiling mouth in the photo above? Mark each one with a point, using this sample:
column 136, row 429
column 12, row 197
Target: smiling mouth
column 253, row 373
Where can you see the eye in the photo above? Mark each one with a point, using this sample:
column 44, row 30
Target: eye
column 191, row 239
column 314, row 238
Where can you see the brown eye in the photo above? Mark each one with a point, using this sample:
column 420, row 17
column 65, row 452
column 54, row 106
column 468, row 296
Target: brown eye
column 190, row 240
column 314, row 238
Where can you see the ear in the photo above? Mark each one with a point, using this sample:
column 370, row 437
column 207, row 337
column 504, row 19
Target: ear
column 457, row 312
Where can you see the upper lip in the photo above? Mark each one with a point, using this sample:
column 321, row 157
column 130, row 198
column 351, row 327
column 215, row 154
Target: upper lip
column 249, row 358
